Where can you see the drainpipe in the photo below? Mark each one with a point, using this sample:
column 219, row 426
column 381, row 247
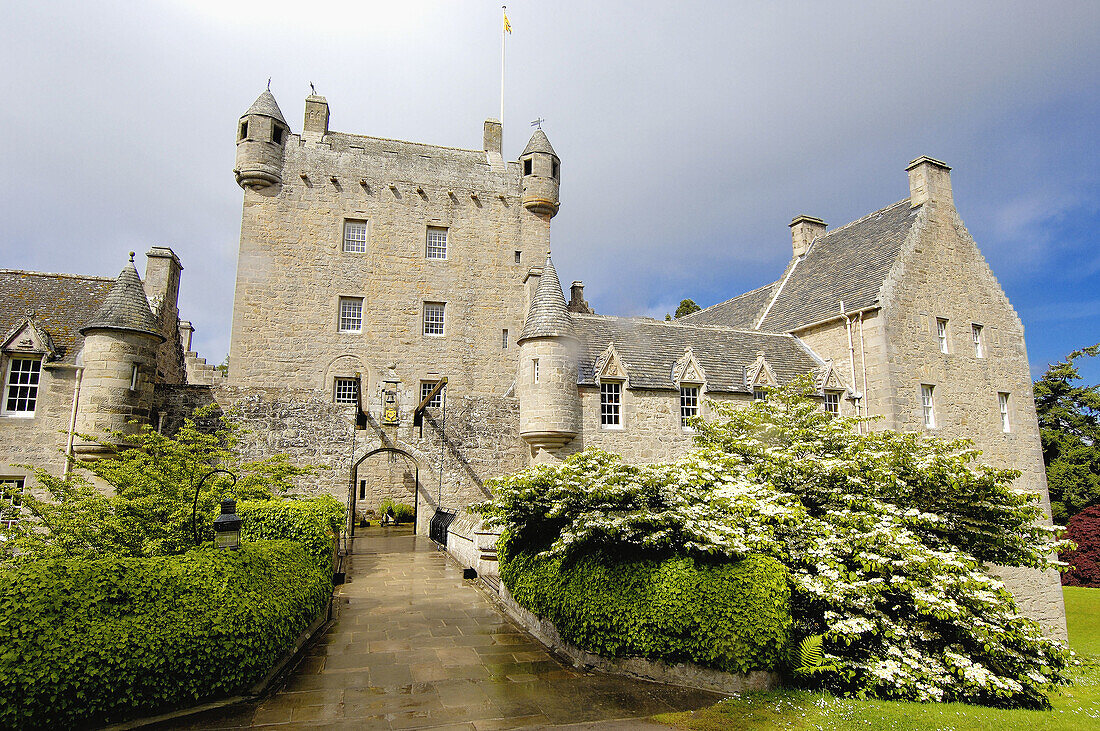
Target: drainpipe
column 72, row 422
column 851, row 360
column 863, row 362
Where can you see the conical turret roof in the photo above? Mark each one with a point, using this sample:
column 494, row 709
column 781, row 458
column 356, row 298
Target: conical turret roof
column 266, row 106
column 548, row 316
column 126, row 307
column 538, row 143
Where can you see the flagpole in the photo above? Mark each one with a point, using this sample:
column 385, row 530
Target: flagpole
column 503, row 33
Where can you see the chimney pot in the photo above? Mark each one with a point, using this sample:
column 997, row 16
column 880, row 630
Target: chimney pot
column 804, row 229
column 929, row 181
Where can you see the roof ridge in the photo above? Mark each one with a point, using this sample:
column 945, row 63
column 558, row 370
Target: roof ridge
column 408, row 142
column 827, row 234
column 731, row 299
column 57, row 274
column 674, row 323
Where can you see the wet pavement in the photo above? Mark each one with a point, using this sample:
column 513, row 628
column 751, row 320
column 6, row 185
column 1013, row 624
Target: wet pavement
column 416, row 646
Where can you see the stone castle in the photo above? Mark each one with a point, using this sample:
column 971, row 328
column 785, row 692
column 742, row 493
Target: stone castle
column 398, row 320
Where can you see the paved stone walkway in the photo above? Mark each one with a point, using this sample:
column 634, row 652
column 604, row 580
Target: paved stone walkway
column 416, row 646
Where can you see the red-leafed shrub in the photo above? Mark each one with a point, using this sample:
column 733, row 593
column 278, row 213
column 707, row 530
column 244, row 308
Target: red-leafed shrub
column 1084, row 530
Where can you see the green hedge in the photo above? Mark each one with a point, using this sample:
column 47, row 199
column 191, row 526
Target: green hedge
column 312, row 522
column 92, row 642
column 732, row 616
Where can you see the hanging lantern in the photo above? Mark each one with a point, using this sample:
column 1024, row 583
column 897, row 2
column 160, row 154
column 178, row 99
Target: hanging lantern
column 227, row 527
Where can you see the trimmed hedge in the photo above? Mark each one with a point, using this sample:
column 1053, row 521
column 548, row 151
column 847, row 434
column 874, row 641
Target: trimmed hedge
column 94, row 642
column 312, row 523
column 729, row 616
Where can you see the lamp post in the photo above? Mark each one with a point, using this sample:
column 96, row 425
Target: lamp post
column 227, row 527
column 195, row 505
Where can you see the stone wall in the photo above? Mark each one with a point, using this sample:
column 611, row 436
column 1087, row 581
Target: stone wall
column 872, row 378
column 39, row 440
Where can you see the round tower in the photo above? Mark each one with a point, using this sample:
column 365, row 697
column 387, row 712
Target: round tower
column 546, row 385
column 261, row 139
column 541, row 175
column 119, row 357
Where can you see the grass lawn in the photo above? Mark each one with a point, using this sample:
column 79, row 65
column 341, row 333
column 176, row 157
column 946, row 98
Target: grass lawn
column 1075, row 707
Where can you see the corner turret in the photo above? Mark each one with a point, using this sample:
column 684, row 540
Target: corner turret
column 261, row 139
column 541, row 175
column 120, row 364
column 546, row 384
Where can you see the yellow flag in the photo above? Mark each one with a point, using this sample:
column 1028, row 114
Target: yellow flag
column 507, row 25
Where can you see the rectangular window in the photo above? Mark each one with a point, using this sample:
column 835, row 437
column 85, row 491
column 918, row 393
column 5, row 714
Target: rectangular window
column 527, row 167
column 276, row 134
column 611, row 399
column 928, row 405
column 351, row 315
column 11, row 497
column 437, row 243
column 362, row 489
column 941, row 333
column 979, row 346
column 534, row 370
column 21, row 392
column 504, row 339
column 134, row 377
column 689, row 404
column 759, row 394
column 832, row 403
column 345, row 391
column 244, row 130
column 355, row 237
column 433, row 318
column 426, row 388
column 554, row 170
column 1002, row 399
column 518, row 255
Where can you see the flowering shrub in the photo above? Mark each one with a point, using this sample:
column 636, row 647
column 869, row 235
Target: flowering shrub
column 885, row 536
column 1084, row 561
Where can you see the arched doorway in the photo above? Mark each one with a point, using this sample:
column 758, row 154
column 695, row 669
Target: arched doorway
column 385, row 473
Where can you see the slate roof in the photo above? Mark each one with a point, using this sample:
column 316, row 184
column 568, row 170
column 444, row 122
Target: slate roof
column 538, row 143
column 548, row 316
column 62, row 303
column 847, row 264
column 266, row 106
column 739, row 312
column 649, row 349
column 125, row 307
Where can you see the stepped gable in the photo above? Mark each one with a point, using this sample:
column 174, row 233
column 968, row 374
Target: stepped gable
column 548, row 316
column 848, row 264
column 649, row 349
column 266, row 105
column 740, row 312
column 61, row 303
column 126, row 307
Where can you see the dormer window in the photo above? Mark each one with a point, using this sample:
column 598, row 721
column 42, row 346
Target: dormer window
column 21, row 386
column 611, row 400
column 832, row 403
column 689, row 405
column 244, row 130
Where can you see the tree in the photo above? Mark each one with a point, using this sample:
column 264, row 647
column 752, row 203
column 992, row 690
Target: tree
column 1069, row 423
column 686, row 308
column 1084, row 560
column 886, row 536
column 148, row 510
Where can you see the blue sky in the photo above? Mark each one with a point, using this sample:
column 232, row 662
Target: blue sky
column 690, row 133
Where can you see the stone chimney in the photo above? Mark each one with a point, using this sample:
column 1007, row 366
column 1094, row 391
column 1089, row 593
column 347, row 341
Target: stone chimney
column 577, row 302
column 493, row 137
column 162, row 281
column 186, row 331
column 929, row 181
column 804, row 229
column 316, row 119
column 531, row 283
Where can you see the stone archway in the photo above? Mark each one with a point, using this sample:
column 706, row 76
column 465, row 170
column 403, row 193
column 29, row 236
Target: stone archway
column 384, row 472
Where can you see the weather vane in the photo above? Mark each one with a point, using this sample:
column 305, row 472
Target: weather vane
column 269, row 83
column 312, row 91
column 537, row 124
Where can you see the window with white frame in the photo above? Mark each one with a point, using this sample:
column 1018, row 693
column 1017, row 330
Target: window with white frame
column 134, row 373
column 504, row 339
column 941, row 333
column 928, row 406
column 611, row 402
column 759, row 394
column 345, row 391
column 534, row 370
column 355, row 237
column 351, row 315
column 437, row 243
column 433, row 318
column 689, row 404
column 11, row 498
column 979, row 345
column 21, row 386
column 426, row 388
column 1002, row 401
column 832, row 403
